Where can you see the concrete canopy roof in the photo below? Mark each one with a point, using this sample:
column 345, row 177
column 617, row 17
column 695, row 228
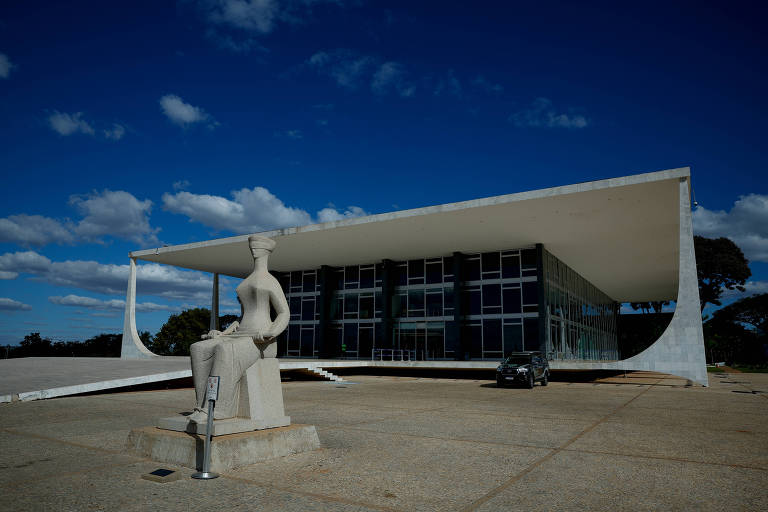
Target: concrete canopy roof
column 621, row 234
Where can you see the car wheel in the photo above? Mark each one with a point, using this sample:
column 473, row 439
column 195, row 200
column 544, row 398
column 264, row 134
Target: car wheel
column 531, row 380
column 545, row 380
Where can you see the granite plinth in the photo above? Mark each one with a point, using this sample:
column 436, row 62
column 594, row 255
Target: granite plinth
column 227, row 451
column 181, row 423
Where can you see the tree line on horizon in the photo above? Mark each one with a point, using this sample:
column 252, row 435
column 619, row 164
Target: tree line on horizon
column 737, row 333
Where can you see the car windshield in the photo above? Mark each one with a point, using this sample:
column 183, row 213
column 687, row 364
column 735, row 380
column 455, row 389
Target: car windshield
column 517, row 360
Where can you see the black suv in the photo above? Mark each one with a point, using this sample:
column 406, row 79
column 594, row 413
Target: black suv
column 523, row 368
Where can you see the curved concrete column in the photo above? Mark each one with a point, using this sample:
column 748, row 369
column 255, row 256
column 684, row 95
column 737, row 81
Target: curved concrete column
column 680, row 349
column 132, row 347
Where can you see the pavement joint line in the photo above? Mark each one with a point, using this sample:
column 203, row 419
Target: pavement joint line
column 317, row 495
column 440, row 438
column 495, row 492
column 39, row 478
column 660, row 457
column 63, row 441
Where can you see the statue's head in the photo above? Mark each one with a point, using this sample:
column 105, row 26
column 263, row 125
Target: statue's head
column 260, row 245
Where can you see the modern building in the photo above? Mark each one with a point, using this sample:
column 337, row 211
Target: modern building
column 542, row 270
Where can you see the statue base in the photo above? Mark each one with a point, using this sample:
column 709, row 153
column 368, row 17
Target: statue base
column 180, row 423
column 227, row 451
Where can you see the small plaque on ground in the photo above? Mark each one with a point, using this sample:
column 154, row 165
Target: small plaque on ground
column 162, row 475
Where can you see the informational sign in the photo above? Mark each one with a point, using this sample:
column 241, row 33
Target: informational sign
column 213, row 387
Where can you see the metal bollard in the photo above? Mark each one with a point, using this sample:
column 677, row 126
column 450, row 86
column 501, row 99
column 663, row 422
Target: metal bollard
column 213, row 395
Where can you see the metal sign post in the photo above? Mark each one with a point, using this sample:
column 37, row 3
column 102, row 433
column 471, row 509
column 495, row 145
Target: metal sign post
column 213, row 395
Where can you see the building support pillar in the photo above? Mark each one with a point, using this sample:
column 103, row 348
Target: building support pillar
column 324, row 348
column 464, row 345
column 132, row 346
column 215, row 303
column 387, row 292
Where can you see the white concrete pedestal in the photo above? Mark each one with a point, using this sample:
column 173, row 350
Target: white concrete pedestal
column 227, row 451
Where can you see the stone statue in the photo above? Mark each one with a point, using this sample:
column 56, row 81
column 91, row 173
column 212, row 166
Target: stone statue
column 246, row 350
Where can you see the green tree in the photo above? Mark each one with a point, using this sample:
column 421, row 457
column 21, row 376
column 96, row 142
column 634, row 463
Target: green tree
column 180, row 331
column 647, row 307
column 719, row 264
column 737, row 332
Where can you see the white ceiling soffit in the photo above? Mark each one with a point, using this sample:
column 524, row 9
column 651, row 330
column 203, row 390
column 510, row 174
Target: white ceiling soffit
column 621, row 234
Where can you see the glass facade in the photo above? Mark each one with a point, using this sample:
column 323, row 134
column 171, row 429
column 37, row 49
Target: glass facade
column 463, row 306
column 580, row 320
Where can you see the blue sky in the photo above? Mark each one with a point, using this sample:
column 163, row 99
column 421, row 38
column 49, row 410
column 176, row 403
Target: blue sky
column 125, row 126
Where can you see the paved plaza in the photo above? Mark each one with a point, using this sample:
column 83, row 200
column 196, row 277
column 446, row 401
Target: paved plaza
column 644, row 442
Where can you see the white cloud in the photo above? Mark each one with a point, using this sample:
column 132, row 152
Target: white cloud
column 249, row 211
column 746, row 224
column 448, row 86
column 542, row 114
column 330, row 214
column 181, row 185
column 110, row 279
column 181, row 113
column 114, row 213
column 28, row 262
column 256, row 16
column 113, row 304
column 5, row 66
column 391, row 77
column 68, row 124
column 345, row 67
column 29, row 230
column 290, row 134
column 486, row 86
column 116, row 132
column 750, row 288
column 6, row 276
column 7, row 304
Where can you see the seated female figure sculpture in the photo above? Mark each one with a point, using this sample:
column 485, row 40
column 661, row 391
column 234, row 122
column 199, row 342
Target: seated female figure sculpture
column 230, row 353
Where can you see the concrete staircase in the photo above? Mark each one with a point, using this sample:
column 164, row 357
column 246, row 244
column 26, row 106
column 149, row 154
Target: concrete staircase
column 326, row 375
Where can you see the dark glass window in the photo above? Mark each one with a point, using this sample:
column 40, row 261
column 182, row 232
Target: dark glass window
column 309, row 281
column 474, row 301
column 295, row 307
column 338, row 275
column 296, row 281
column 492, row 335
column 416, row 272
column 285, row 282
column 399, row 305
column 513, row 338
column 416, row 302
column 510, row 267
column 528, row 259
column 337, row 308
column 435, row 344
column 491, row 298
column 448, row 269
column 435, row 303
column 379, row 273
column 491, row 269
column 511, row 300
column 434, row 272
column 451, row 341
column 350, row 305
column 365, row 341
column 472, row 269
column 448, row 305
column 377, row 303
column 531, row 333
column 308, row 309
column 294, row 334
column 474, row 335
column 401, row 274
column 307, row 342
column 366, row 306
column 351, row 277
column 530, row 293
column 350, row 338
column 367, row 277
